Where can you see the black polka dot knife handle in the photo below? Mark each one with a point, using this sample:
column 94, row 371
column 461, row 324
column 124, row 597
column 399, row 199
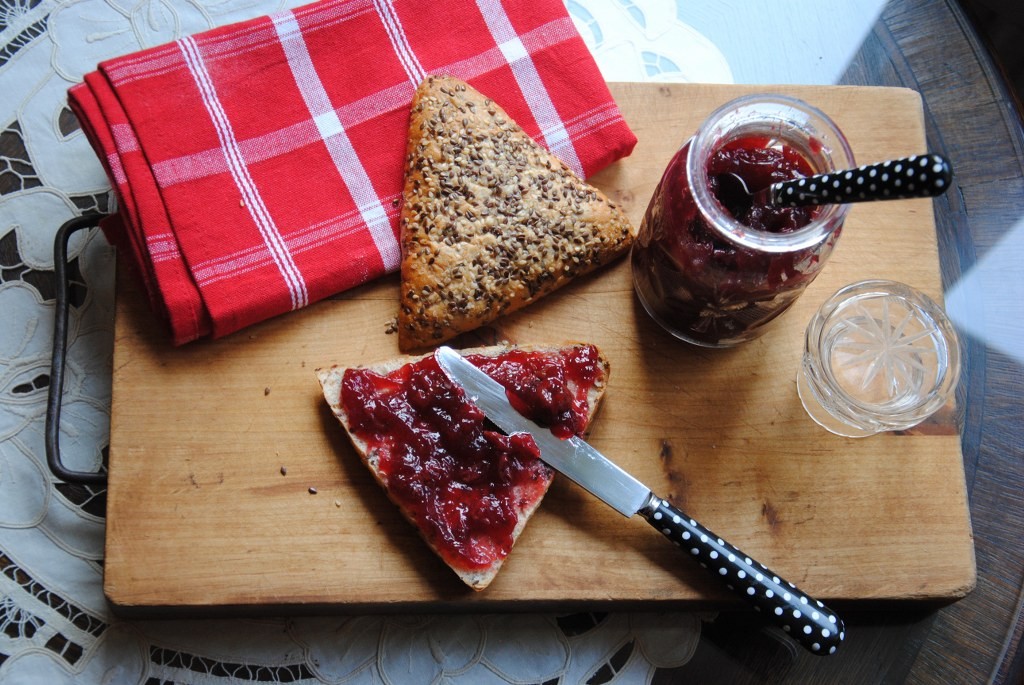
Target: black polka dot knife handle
column 917, row 176
column 807, row 620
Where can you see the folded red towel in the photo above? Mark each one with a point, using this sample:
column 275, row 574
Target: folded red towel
column 259, row 166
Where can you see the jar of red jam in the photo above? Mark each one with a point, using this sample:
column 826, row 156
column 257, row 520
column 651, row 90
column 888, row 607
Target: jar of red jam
column 715, row 279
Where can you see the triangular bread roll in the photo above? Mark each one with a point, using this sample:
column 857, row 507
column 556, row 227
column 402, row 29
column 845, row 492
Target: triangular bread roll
column 468, row 489
column 490, row 220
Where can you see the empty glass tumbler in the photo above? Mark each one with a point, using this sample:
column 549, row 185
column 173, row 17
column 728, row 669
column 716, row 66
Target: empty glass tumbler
column 878, row 356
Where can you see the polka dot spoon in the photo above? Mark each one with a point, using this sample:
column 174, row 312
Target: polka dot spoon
column 918, row 176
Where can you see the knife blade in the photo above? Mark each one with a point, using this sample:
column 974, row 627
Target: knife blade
column 805, row 619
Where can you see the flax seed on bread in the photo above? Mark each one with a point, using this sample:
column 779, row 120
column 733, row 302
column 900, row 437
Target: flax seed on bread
column 490, row 221
column 331, row 383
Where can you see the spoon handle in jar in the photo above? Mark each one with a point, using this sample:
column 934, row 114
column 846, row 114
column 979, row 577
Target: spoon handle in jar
column 918, row 176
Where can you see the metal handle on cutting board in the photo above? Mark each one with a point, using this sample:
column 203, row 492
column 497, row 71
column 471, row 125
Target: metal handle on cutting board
column 59, row 359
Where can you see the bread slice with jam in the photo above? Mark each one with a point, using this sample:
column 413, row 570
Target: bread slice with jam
column 490, row 220
column 468, row 488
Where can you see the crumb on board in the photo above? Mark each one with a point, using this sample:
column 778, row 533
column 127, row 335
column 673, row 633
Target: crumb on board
column 391, row 327
column 284, row 470
column 312, row 490
column 266, row 391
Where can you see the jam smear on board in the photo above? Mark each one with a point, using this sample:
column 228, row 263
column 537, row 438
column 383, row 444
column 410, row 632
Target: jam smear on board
column 462, row 480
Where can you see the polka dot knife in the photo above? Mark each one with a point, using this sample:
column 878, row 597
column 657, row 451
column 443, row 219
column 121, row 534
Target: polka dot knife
column 918, row 176
column 804, row 618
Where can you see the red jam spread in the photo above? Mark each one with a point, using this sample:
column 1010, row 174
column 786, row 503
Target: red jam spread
column 462, row 480
column 709, row 289
column 760, row 164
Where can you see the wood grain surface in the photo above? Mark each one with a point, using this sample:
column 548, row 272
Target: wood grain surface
column 215, row 446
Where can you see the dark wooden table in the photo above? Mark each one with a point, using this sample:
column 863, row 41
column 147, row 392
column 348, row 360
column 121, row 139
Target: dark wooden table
column 930, row 46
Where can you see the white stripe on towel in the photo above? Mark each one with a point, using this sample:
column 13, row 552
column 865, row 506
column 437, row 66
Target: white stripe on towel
column 243, row 180
column 339, row 146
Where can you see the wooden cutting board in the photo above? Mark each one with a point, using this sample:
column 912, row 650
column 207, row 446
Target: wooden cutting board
column 215, row 447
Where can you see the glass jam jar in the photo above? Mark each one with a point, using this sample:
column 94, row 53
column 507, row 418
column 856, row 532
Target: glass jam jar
column 714, row 279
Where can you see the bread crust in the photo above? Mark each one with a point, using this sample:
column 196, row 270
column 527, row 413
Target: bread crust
column 331, row 383
column 490, row 220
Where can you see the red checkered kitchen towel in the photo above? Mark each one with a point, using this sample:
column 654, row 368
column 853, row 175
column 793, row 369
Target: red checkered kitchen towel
column 259, row 166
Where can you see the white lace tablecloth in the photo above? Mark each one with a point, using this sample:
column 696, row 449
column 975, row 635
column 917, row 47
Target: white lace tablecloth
column 55, row 626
